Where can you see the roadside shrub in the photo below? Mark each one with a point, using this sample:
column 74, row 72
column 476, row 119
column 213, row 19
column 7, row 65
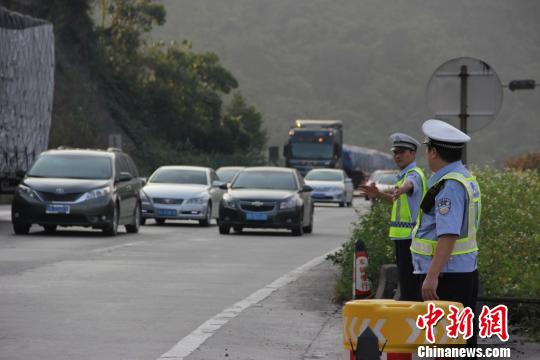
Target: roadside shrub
column 528, row 161
column 509, row 241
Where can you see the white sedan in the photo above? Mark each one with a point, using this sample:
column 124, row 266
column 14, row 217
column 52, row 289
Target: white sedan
column 182, row 193
column 330, row 186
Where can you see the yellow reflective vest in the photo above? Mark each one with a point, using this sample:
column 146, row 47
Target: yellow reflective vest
column 401, row 221
column 467, row 242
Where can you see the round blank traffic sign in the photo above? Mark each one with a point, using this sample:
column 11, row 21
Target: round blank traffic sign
column 484, row 92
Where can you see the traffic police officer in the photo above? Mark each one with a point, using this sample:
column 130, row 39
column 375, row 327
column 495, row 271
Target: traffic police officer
column 410, row 189
column 444, row 248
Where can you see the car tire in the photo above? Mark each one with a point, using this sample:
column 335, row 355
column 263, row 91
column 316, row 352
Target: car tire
column 341, row 204
column 208, row 219
column 112, row 229
column 298, row 230
column 49, row 229
column 309, row 229
column 21, row 229
column 143, row 221
column 133, row 228
column 238, row 229
column 224, row 229
column 159, row 221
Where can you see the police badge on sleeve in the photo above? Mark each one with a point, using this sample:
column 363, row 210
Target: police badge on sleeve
column 444, row 205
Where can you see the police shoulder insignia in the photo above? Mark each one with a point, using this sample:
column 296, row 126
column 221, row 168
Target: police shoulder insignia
column 444, row 206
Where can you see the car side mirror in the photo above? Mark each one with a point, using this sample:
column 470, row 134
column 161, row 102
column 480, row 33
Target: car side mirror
column 224, row 186
column 306, row 188
column 143, row 181
column 125, row 176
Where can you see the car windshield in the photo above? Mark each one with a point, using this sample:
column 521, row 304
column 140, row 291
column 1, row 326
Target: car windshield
column 276, row 180
column 387, row 179
column 72, row 166
column 312, row 151
column 226, row 175
column 324, row 175
column 179, row 176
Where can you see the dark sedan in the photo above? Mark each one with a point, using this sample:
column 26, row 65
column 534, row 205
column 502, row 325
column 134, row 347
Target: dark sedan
column 267, row 197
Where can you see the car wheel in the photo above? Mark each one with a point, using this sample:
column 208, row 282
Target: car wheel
column 143, row 220
column 21, row 229
column 112, row 229
column 341, row 204
column 208, row 219
column 133, row 228
column 160, row 221
column 309, row 229
column 224, row 229
column 238, row 229
column 298, row 230
column 50, row 229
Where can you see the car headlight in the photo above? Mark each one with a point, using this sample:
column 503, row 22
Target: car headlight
column 228, row 202
column 288, row 204
column 197, row 201
column 95, row 194
column 28, row 192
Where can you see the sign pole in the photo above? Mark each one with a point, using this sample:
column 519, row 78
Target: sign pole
column 463, row 115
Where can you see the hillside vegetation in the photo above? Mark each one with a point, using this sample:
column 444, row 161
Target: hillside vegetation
column 368, row 62
column 170, row 103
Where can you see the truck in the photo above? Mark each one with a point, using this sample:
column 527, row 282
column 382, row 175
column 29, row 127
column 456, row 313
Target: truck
column 26, row 93
column 319, row 144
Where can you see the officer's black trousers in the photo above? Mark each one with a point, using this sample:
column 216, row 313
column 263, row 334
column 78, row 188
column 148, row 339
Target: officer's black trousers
column 408, row 282
column 460, row 287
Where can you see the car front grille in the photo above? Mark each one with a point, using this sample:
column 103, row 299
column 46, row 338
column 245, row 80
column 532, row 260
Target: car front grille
column 257, row 206
column 167, row 201
column 47, row 196
column 63, row 219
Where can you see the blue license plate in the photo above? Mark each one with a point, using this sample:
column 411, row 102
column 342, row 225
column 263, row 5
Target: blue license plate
column 57, row 209
column 166, row 212
column 257, row 216
column 318, row 195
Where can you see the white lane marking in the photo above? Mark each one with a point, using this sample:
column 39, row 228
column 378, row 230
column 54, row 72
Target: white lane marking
column 192, row 341
column 115, row 247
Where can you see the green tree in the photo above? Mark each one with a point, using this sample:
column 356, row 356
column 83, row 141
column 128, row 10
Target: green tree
column 244, row 123
column 123, row 24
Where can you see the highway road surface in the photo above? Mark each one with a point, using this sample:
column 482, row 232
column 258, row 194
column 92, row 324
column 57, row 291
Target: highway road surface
column 158, row 294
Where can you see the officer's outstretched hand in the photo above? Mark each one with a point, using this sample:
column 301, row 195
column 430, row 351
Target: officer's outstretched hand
column 397, row 193
column 429, row 288
column 370, row 190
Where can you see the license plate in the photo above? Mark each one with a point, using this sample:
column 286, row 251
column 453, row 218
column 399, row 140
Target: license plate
column 257, row 216
column 166, row 212
column 318, row 195
column 57, row 209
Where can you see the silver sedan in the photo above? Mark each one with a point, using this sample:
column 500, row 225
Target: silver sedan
column 182, row 193
column 331, row 186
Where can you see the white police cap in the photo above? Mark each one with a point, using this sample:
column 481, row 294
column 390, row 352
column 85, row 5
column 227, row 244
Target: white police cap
column 443, row 134
column 403, row 141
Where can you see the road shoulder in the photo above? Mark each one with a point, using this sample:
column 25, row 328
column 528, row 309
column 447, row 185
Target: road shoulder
column 298, row 321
